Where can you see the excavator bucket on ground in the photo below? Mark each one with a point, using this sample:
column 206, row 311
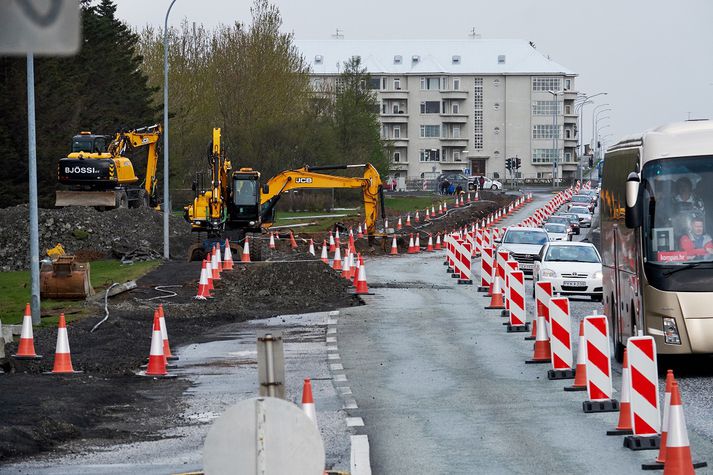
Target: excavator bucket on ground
column 64, row 278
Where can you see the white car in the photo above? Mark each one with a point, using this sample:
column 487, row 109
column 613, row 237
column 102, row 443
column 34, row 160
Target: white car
column 574, row 268
column 583, row 214
column 558, row 232
column 488, row 184
column 524, row 244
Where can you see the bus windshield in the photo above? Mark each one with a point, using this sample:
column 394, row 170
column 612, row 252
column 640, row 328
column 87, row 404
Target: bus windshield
column 678, row 210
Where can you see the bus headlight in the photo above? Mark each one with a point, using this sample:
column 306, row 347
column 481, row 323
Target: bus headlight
column 670, row 331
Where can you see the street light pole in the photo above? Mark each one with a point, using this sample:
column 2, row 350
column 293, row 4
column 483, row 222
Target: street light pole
column 34, row 212
column 594, row 125
column 166, row 202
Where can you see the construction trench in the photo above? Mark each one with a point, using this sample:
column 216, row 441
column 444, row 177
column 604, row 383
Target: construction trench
column 108, row 403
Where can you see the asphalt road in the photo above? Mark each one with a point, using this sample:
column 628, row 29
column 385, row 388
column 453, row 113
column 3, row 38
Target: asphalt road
column 442, row 388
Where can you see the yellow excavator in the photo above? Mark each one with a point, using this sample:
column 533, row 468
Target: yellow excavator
column 237, row 203
column 96, row 172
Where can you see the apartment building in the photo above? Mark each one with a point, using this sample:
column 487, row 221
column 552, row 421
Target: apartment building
column 463, row 105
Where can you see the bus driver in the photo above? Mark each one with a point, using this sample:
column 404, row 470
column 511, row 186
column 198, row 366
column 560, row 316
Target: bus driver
column 696, row 242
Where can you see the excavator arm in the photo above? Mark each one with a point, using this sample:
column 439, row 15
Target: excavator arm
column 310, row 178
column 145, row 137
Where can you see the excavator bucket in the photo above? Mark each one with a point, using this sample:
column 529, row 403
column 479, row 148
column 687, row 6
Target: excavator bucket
column 85, row 198
column 64, row 278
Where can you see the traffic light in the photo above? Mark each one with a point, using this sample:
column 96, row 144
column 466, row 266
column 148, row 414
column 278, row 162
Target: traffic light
column 508, row 164
column 518, row 161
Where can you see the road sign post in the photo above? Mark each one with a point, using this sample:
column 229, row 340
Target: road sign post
column 271, row 364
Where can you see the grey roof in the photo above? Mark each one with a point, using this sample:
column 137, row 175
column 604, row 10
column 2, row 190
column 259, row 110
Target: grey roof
column 477, row 56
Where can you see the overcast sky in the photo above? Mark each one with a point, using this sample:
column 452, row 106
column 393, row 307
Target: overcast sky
column 653, row 57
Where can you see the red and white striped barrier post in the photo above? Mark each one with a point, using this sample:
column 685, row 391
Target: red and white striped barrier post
column 644, row 394
column 486, row 269
column 510, row 266
column 560, row 338
column 463, row 262
column 599, row 379
column 518, row 316
column 543, row 294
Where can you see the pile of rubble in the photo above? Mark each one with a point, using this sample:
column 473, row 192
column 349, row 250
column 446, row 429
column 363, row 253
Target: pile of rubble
column 90, row 234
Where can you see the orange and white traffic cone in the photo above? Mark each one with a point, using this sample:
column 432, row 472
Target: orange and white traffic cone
column 417, row 218
column 62, row 357
column 476, row 196
column 417, row 243
column 356, row 274
column 394, row 247
column 164, row 334
column 580, row 371
column 227, row 257
column 678, row 449
column 157, row 361
column 203, row 292
column 272, row 241
column 386, row 225
column 336, row 238
column 496, row 300
column 429, row 248
column 347, row 267
column 360, row 234
column 215, row 270
column 543, row 353
column 411, row 246
column 352, row 246
column 438, row 241
column 246, row 251
column 468, row 199
column 293, row 243
column 361, row 287
column 399, row 225
column 324, row 257
column 332, row 245
column 433, row 211
column 311, row 247
column 661, row 458
column 26, row 348
column 218, row 258
column 624, row 425
column 408, row 219
column 209, row 273
column 308, row 401
column 337, row 262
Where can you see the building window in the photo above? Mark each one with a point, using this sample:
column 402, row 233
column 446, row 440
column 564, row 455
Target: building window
column 383, row 83
column 396, row 109
column 397, row 132
column 478, row 114
column 455, row 59
column 429, row 155
column 374, row 83
column 456, row 131
column 430, row 84
column 496, row 106
column 568, row 133
column 430, row 131
column 568, row 156
column 496, row 131
column 456, row 84
column 398, row 59
column 456, row 156
column 455, row 108
column 397, row 157
column 568, row 109
column 430, row 107
column 545, row 107
column 544, row 155
column 397, row 84
column 567, row 84
column 545, row 131
column 546, row 84
column 501, row 59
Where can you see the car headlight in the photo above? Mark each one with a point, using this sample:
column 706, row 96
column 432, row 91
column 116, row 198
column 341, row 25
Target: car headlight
column 670, row 331
column 597, row 275
column 549, row 273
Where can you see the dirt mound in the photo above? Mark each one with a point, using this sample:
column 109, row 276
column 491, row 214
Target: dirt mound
column 88, row 233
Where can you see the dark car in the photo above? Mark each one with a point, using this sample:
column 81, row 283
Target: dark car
column 572, row 219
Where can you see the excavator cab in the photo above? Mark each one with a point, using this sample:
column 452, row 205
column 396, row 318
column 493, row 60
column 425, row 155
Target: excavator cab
column 90, row 143
column 244, row 203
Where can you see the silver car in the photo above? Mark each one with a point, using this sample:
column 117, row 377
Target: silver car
column 583, row 214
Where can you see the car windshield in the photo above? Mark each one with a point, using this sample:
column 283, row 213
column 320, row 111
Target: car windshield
column 572, row 254
column 555, row 228
column 579, row 210
column 571, row 217
column 677, row 205
column 557, row 220
column 525, row 237
column 581, row 199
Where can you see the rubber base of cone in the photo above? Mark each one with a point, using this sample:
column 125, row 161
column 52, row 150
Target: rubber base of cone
column 537, row 361
column 63, row 372
column 36, row 357
column 609, row 405
column 449, row 270
column 659, row 466
column 495, row 308
column 165, row 376
column 172, row 358
column 465, row 282
column 518, row 328
column 482, row 289
column 574, row 388
column 555, row 374
column 455, row 276
column 622, row 432
column 505, row 314
column 639, row 442
column 529, row 338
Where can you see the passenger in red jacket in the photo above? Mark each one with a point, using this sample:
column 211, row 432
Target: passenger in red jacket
column 696, row 242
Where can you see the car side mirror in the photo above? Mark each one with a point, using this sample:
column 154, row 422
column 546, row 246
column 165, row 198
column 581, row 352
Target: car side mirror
column 632, row 212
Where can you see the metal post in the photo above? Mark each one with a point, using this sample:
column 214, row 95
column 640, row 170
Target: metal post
column 166, row 201
column 270, row 366
column 32, row 168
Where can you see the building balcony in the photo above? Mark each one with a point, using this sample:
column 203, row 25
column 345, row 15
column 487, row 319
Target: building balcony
column 393, row 118
column 570, row 118
column 570, row 95
column 397, row 142
column 394, row 94
column 454, row 118
column 398, row 166
column 570, row 142
column 452, row 94
column 454, row 141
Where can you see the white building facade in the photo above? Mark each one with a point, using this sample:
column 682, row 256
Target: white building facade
column 463, row 105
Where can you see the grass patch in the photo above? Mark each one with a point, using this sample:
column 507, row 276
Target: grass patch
column 412, row 203
column 15, row 290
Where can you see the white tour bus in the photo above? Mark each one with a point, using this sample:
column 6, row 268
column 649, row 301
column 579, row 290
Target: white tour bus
column 656, row 227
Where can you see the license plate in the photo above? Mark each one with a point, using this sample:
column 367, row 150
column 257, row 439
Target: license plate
column 574, row 283
column 526, row 266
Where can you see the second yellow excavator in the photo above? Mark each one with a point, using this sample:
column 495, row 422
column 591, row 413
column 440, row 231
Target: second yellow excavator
column 237, row 203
